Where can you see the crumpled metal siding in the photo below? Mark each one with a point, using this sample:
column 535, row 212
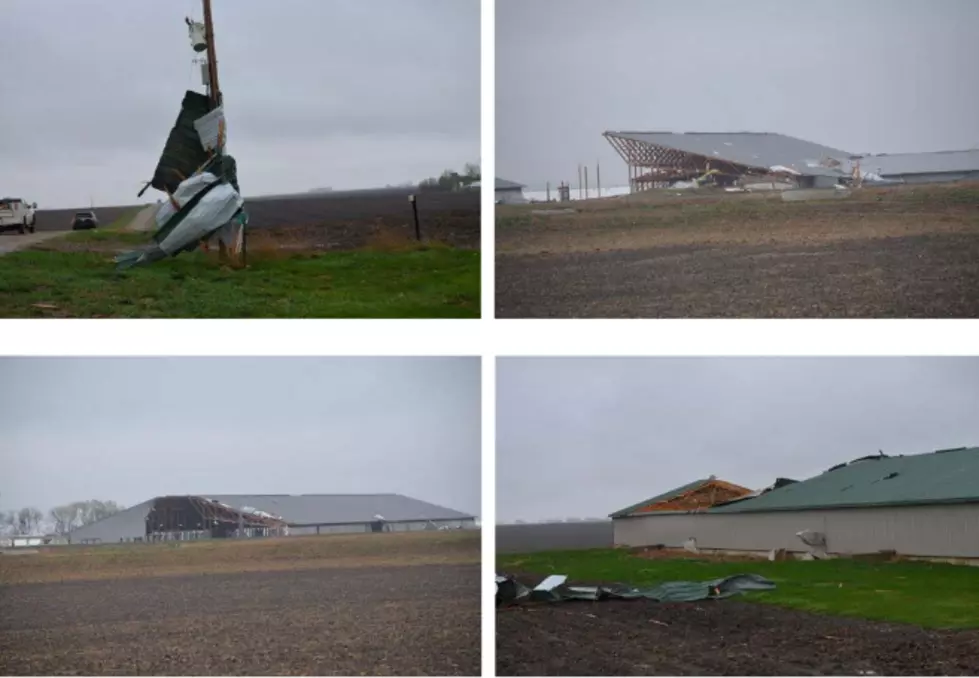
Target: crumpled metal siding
column 212, row 130
column 183, row 153
column 555, row 589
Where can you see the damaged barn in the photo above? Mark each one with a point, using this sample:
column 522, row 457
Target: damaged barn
column 744, row 160
column 218, row 516
column 183, row 518
column 923, row 505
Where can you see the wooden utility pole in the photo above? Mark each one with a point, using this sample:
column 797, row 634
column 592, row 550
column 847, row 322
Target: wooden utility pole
column 214, row 91
column 213, row 87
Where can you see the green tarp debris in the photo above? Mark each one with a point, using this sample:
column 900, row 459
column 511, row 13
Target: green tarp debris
column 183, row 152
column 556, row 589
column 201, row 183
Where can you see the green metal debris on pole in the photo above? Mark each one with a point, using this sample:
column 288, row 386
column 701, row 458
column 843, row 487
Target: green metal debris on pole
column 195, row 172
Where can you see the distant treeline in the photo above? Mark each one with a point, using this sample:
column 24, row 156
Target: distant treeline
column 60, row 520
column 451, row 180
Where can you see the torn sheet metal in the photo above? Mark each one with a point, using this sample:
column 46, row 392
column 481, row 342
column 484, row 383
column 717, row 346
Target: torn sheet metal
column 201, row 183
column 201, row 206
column 212, row 130
column 183, row 153
column 555, row 589
column 215, row 206
column 816, row 541
column 509, row 589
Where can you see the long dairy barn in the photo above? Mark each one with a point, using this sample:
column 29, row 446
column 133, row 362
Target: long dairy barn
column 922, row 505
column 757, row 159
column 230, row 515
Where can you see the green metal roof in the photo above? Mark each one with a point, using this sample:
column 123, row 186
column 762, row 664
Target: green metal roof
column 946, row 476
column 675, row 492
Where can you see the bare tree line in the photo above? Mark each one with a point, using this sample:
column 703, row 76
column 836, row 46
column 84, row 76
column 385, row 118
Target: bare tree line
column 452, row 180
column 61, row 519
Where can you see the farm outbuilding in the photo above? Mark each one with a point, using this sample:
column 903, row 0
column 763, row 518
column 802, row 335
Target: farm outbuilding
column 509, row 192
column 760, row 159
column 924, row 505
column 230, row 515
column 924, row 168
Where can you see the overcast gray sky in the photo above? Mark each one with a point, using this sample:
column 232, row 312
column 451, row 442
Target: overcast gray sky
column 585, row 437
column 339, row 93
column 129, row 429
column 873, row 76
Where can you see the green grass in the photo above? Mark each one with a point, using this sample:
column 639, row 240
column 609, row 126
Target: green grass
column 436, row 282
column 107, row 235
column 927, row 594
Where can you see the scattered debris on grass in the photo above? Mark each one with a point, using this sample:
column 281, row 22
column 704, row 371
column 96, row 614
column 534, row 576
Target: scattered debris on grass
column 555, row 588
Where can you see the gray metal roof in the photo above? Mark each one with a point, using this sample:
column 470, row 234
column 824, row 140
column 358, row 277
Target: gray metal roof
column 946, row 476
column 921, row 163
column 754, row 149
column 505, row 184
column 313, row 509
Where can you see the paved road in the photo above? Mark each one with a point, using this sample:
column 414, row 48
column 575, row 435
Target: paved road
column 553, row 537
column 12, row 241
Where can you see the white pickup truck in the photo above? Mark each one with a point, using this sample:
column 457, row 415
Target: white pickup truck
column 17, row 214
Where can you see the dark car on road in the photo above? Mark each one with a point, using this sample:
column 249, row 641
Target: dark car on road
column 84, row 221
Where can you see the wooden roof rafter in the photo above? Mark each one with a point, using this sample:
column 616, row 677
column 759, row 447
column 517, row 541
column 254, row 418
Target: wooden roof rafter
column 665, row 161
column 697, row 498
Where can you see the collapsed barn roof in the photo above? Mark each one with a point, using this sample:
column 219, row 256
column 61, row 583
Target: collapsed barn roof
column 942, row 477
column 698, row 495
column 756, row 150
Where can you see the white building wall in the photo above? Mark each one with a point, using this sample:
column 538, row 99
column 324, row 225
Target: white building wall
column 933, row 531
column 127, row 525
column 412, row 526
column 936, row 177
column 510, row 196
column 329, row 529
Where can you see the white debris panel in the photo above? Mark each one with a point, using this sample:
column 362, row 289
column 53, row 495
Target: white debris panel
column 212, row 130
column 201, row 205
